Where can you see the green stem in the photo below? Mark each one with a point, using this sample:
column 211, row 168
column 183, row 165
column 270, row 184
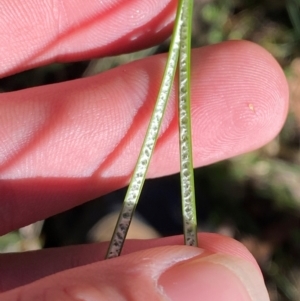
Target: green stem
column 142, row 165
column 186, row 157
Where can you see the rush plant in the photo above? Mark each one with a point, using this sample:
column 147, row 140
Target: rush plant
column 179, row 55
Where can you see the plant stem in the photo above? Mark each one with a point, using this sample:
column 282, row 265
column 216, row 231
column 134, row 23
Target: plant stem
column 185, row 134
column 142, row 165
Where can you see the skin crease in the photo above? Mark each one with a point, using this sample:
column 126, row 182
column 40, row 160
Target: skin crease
column 64, row 144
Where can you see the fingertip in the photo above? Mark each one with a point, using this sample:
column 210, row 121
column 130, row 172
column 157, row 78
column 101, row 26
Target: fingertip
column 214, row 277
column 222, row 244
column 245, row 89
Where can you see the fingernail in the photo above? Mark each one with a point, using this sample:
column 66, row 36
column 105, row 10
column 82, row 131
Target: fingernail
column 214, row 277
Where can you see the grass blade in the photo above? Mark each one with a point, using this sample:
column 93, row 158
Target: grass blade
column 142, row 165
column 185, row 135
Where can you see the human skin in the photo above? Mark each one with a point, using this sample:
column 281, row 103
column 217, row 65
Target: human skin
column 64, row 144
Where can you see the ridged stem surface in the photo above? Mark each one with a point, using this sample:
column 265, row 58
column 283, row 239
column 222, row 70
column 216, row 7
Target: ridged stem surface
column 139, row 174
column 185, row 134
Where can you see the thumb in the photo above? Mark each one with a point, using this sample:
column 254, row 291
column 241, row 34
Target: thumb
column 164, row 273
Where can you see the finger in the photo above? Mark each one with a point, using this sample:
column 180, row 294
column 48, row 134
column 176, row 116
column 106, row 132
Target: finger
column 15, row 266
column 151, row 274
column 68, row 143
column 40, row 32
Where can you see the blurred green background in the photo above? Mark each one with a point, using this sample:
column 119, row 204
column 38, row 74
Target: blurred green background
column 254, row 198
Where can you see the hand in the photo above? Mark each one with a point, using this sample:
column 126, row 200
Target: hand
column 64, row 144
